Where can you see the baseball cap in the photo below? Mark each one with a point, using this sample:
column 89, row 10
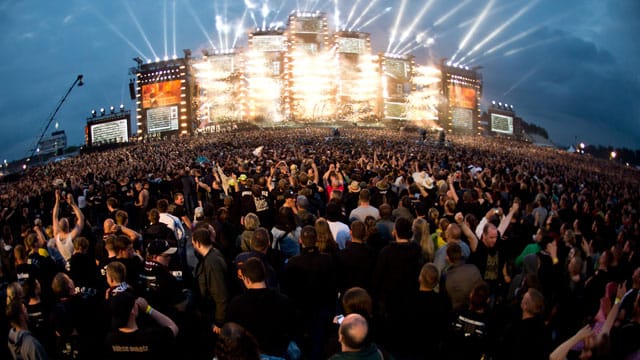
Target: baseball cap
column 160, row 247
column 242, row 177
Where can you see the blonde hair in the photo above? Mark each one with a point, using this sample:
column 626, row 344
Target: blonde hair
column 422, row 236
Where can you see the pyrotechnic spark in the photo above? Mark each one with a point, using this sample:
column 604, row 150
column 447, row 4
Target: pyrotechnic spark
column 396, row 25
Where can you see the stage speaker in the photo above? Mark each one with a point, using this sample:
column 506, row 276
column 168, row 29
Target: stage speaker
column 132, row 90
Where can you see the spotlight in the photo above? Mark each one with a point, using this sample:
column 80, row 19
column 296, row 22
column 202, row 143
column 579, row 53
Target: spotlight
column 112, row 109
column 93, row 113
column 101, row 111
column 80, row 82
column 121, row 107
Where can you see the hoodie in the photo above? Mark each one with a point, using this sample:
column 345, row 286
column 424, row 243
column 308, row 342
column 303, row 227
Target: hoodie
column 23, row 343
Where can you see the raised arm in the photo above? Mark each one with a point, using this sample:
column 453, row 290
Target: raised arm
column 79, row 217
column 561, row 352
column 56, row 210
column 504, row 223
column 473, row 240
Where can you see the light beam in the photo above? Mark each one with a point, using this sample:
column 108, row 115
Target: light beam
column 394, row 29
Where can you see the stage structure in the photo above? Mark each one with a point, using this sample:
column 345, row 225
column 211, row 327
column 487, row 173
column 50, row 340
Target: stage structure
column 111, row 128
column 310, row 68
column 53, row 144
column 357, row 76
column 163, row 98
column 462, row 89
column 302, row 72
column 220, row 88
column 396, row 72
column 265, row 76
column 501, row 120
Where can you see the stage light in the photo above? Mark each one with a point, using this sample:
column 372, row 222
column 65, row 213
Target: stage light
column 80, row 82
column 112, row 109
column 101, row 111
column 500, row 104
column 93, row 113
column 613, row 155
column 121, row 107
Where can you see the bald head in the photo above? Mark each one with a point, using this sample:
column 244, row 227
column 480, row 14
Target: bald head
column 453, row 232
column 353, row 332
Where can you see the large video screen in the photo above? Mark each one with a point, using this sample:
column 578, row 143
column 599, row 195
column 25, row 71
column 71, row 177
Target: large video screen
column 395, row 110
column 351, row 45
column 110, row 132
column 398, row 69
column 462, row 96
column 222, row 64
column 162, row 119
column 502, row 124
column 309, row 26
column 462, row 118
column 161, row 94
column 268, row 43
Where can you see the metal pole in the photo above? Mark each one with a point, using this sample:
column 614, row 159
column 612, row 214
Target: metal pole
column 78, row 81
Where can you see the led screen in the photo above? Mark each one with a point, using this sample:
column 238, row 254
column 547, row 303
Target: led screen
column 502, row 124
column 309, row 26
column 111, row 131
column 395, row 110
column 268, row 43
column 351, row 45
column 161, row 94
column 462, row 118
column 162, row 119
column 222, row 63
column 398, row 69
column 461, row 96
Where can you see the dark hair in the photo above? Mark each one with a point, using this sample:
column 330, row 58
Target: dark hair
column 357, row 300
column 236, row 343
column 162, row 205
column 358, row 230
column 308, row 236
column 403, row 228
column 202, row 236
column 254, row 270
column 260, row 239
column 479, row 296
column 454, row 252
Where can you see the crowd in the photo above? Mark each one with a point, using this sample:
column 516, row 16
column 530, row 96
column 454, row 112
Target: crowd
column 303, row 244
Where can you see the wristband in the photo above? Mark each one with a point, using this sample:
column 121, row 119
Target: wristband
column 148, row 310
column 618, row 300
column 554, row 260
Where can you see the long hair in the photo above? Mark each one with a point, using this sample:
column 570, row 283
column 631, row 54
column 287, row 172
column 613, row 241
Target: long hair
column 325, row 241
column 422, row 236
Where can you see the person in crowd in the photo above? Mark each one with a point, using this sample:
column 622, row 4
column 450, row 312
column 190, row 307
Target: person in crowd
column 364, row 208
column 22, row 344
column 356, row 262
column 353, row 340
column 266, row 313
column 62, row 232
column 309, row 279
column 129, row 340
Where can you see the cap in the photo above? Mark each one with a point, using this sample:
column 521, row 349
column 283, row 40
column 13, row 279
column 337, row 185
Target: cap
column 242, row 177
column 160, row 247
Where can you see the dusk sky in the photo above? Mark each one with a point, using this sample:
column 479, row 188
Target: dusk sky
column 570, row 66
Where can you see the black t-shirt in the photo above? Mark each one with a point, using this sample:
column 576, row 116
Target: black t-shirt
column 150, row 343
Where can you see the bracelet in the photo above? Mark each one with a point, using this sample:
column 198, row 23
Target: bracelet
column 618, row 300
column 554, row 260
column 148, row 310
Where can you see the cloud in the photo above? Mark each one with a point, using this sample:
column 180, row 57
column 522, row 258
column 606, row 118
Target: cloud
column 67, row 19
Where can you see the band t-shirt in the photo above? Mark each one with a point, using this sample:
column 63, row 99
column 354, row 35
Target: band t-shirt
column 149, row 343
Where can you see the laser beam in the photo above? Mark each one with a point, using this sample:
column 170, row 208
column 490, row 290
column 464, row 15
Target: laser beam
column 364, row 12
column 414, row 23
column 475, row 26
column 394, row 29
column 139, row 27
column 446, row 16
